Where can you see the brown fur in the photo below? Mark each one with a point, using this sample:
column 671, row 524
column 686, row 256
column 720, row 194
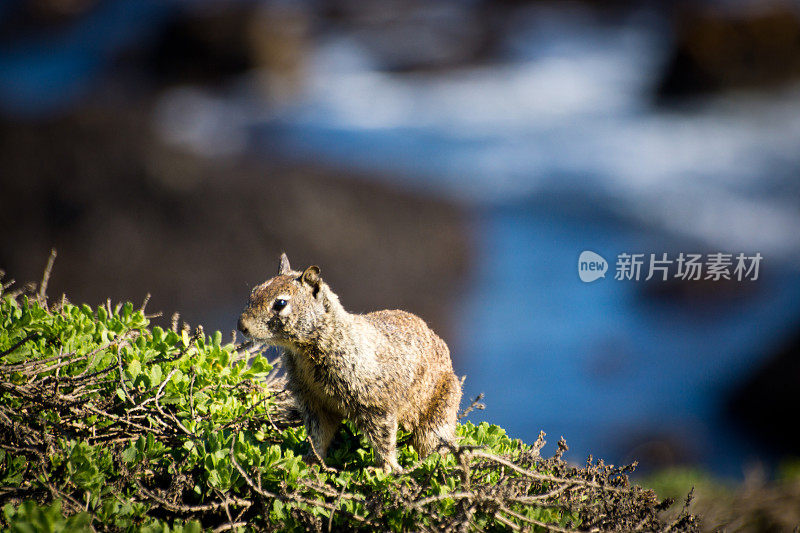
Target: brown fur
column 381, row 370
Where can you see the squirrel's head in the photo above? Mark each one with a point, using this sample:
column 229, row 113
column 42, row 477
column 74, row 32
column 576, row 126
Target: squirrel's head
column 287, row 309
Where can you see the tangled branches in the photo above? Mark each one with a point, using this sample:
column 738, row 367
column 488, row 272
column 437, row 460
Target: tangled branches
column 128, row 426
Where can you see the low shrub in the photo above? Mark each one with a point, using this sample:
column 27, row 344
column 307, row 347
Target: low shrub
column 107, row 423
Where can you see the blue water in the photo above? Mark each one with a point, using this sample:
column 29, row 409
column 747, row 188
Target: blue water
column 601, row 364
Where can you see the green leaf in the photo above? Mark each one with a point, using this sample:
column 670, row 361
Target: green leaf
column 134, row 369
column 155, row 375
column 129, row 454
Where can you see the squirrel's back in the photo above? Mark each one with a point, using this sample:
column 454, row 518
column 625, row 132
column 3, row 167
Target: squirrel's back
column 410, row 337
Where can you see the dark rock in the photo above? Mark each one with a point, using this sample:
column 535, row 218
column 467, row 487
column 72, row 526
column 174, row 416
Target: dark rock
column 765, row 406
column 212, row 45
column 718, row 49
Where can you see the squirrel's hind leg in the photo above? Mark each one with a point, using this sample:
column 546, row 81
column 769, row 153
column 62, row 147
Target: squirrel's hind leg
column 439, row 420
column 381, row 431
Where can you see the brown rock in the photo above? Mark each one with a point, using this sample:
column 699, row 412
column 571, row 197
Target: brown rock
column 754, row 48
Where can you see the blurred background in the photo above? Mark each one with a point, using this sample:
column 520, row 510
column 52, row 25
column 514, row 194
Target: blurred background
column 451, row 158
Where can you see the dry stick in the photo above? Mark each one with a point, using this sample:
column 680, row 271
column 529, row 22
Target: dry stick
column 41, row 297
column 326, row 491
column 170, row 415
column 439, row 497
column 144, row 303
column 469, row 512
column 459, row 452
column 541, row 497
column 180, row 508
column 475, row 404
column 240, row 514
column 505, row 521
column 27, row 337
column 34, row 370
column 543, row 477
column 271, row 423
column 247, row 478
column 226, row 527
column 330, row 516
column 227, row 509
column 82, row 376
column 160, row 391
column 117, row 418
column 322, row 464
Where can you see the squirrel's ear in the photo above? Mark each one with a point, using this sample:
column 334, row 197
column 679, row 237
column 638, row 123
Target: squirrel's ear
column 310, row 277
column 285, row 268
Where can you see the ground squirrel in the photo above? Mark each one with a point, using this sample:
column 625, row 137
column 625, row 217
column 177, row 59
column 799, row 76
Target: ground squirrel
column 380, row 370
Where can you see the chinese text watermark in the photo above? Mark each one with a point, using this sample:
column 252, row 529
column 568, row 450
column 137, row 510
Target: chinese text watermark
column 663, row 266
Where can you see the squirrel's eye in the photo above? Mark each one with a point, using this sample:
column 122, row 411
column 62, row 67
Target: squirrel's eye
column 279, row 304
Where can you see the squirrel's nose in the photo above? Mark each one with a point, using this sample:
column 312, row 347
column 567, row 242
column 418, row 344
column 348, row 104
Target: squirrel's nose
column 242, row 327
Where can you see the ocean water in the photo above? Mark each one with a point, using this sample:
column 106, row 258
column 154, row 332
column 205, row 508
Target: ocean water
column 614, row 370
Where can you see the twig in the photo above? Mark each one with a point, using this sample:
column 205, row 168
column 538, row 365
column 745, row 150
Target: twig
column 439, row 497
column 181, row 508
column 42, row 295
column 170, row 415
column 19, row 343
column 247, row 478
column 505, row 521
column 475, row 404
column 330, row 516
column 322, row 464
column 542, row 477
column 144, row 303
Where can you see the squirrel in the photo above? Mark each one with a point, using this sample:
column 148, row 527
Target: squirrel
column 380, row 370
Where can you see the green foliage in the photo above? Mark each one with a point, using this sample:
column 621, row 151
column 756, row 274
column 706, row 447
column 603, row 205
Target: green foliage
column 789, row 470
column 32, row 518
column 110, row 424
column 676, row 482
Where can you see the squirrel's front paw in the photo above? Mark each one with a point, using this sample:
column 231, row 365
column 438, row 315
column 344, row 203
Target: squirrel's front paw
column 391, row 467
column 311, row 458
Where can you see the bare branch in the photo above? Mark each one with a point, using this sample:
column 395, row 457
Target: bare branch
column 42, row 295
